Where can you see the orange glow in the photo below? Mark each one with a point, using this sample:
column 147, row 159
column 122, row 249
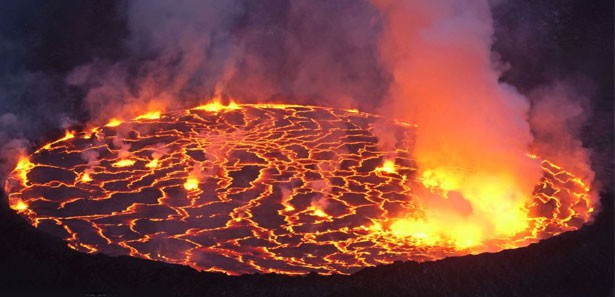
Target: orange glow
column 405, row 124
column 152, row 115
column 375, row 227
column 23, row 167
column 152, row 164
column 275, row 105
column 388, row 166
column 439, row 179
column 491, row 208
column 20, row 206
column 123, row 163
column 68, row 135
column 86, row 178
column 320, row 213
column 191, row 184
column 114, row 122
column 418, row 229
column 216, row 106
column 317, row 212
column 433, row 232
column 91, row 132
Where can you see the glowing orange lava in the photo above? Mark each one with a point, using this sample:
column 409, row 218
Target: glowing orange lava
column 266, row 188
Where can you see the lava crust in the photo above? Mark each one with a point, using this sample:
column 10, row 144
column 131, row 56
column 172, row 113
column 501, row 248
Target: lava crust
column 251, row 188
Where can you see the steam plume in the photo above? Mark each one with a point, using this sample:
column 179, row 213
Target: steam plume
column 473, row 133
column 182, row 53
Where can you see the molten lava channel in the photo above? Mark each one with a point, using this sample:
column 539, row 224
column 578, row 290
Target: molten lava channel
column 256, row 188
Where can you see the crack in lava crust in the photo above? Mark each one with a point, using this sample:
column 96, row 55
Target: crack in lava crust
column 251, row 188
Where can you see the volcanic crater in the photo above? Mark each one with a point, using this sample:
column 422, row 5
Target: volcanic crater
column 245, row 188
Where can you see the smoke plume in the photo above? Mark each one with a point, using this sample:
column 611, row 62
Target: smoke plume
column 182, row 53
column 474, row 132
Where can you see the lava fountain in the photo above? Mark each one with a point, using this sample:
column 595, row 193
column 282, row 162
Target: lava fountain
column 244, row 188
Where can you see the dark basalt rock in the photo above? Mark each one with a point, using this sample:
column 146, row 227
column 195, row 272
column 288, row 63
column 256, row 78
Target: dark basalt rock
column 578, row 263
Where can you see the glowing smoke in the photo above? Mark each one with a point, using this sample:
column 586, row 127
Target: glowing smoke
column 473, row 132
column 558, row 116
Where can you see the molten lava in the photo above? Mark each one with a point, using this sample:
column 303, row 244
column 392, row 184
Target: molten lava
column 269, row 188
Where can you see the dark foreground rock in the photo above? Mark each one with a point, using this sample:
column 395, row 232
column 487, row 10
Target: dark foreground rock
column 576, row 263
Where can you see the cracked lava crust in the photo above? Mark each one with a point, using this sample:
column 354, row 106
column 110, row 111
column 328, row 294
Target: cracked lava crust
column 253, row 188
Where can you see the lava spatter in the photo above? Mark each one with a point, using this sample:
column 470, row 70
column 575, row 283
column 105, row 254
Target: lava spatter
column 257, row 188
